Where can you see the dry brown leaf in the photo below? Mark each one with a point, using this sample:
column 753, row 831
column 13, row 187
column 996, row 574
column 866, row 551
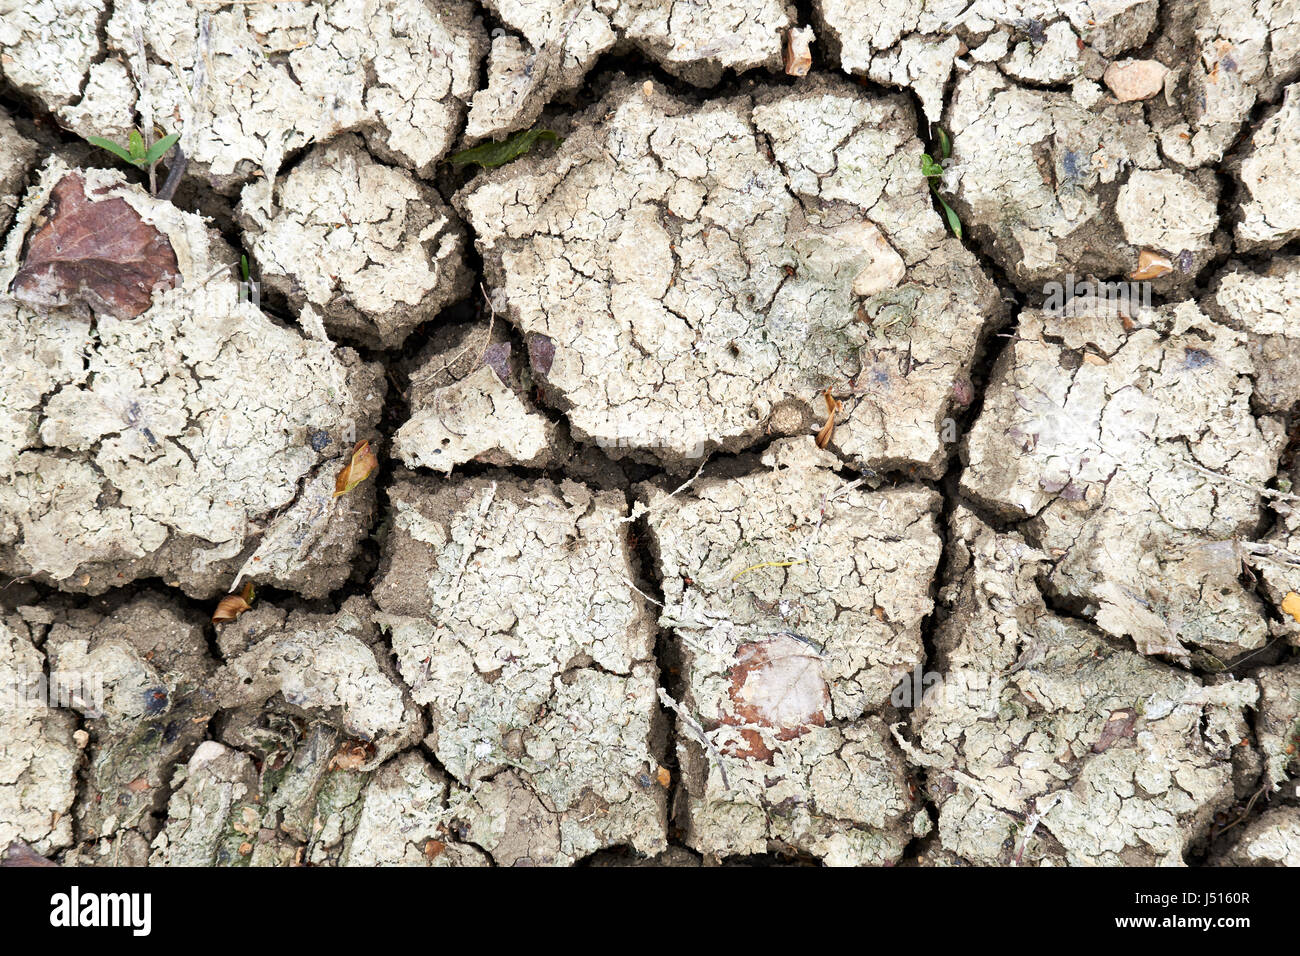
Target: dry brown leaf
column 1151, row 265
column 433, row 849
column 357, row 470
column 665, row 778
column 352, row 755
column 101, row 253
column 798, row 56
column 233, row 605
column 777, row 683
column 20, row 854
column 1118, row 726
column 833, row 406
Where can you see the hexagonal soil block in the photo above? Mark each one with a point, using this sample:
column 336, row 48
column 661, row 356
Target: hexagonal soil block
column 694, row 276
column 796, row 600
column 1135, row 453
column 514, row 619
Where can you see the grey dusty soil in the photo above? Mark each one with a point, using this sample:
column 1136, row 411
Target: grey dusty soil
column 745, row 489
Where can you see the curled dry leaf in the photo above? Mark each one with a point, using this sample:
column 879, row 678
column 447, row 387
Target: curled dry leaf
column 233, row 605
column 357, row 470
column 352, row 755
column 833, row 406
column 97, row 252
column 798, row 55
column 1151, row 265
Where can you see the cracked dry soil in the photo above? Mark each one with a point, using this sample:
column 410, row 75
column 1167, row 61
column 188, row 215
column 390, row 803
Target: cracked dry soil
column 617, row 592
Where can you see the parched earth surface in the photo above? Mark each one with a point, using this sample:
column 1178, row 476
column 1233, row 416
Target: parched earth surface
column 845, row 433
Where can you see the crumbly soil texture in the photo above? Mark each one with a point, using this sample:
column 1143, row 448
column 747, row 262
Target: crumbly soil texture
column 834, row 433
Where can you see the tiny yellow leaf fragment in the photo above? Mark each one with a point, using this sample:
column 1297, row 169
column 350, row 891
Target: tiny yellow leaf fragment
column 665, row 777
column 357, row 470
column 1291, row 604
column 233, row 605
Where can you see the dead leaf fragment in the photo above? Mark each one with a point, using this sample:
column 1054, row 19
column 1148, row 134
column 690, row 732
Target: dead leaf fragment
column 352, row 755
column 20, row 854
column 798, row 54
column 833, row 406
column 1291, row 605
column 1151, row 265
column 101, row 253
column 776, row 683
column 665, row 778
column 357, row 470
column 433, row 849
column 233, row 605
column 1118, row 726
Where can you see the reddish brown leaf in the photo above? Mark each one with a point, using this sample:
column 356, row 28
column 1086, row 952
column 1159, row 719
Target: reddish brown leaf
column 358, row 468
column 433, row 849
column 20, row 854
column 1118, row 726
column 100, row 253
column 776, row 683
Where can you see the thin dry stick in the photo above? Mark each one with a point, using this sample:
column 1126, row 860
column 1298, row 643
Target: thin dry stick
column 640, row 509
column 456, row 358
column 1032, row 824
column 696, row 729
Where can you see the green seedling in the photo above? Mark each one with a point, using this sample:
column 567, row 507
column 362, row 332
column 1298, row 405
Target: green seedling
column 134, row 152
column 492, row 155
column 932, row 170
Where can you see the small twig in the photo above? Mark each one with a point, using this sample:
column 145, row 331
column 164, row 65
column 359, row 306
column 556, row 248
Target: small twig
column 696, row 729
column 175, row 172
column 492, row 321
column 1245, row 813
column 640, row 510
column 1032, row 822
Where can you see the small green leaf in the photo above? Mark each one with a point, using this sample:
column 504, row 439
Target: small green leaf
column 110, row 146
column 929, row 168
column 136, row 142
column 243, row 267
column 945, row 144
column 492, row 155
column 953, row 222
column 159, row 149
